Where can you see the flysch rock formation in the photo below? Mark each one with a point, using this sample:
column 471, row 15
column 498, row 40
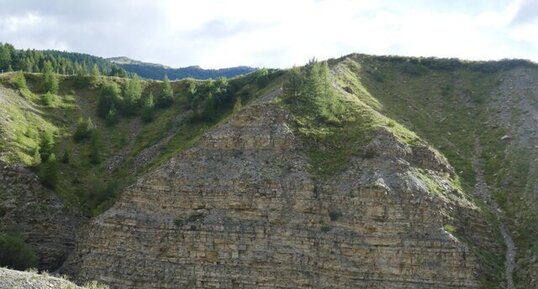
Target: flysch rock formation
column 37, row 214
column 240, row 209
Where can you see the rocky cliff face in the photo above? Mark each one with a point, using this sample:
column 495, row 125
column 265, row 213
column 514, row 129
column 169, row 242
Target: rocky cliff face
column 241, row 209
column 29, row 209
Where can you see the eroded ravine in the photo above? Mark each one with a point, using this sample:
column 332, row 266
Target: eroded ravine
column 483, row 192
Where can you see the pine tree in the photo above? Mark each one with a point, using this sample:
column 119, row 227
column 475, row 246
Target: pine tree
column 47, row 99
column 95, row 76
column 5, row 56
column 112, row 116
column 148, row 108
column 46, row 145
column 293, row 88
column 19, row 81
column 80, row 78
column 37, row 157
column 65, row 157
column 48, row 172
column 85, row 129
column 50, row 79
column 166, row 98
column 110, row 96
column 132, row 94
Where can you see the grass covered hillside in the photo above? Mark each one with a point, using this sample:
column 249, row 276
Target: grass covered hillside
column 482, row 116
column 89, row 136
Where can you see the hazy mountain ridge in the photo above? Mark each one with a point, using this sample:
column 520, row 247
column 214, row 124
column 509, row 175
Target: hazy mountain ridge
column 127, row 60
column 63, row 62
column 158, row 71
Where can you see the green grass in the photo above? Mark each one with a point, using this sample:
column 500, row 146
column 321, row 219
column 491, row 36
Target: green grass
column 449, row 107
column 83, row 183
column 449, row 228
column 338, row 127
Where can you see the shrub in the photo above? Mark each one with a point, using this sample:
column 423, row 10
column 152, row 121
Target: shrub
column 335, row 215
column 85, row 129
column 132, row 94
column 449, row 228
column 19, row 81
column 112, row 116
column 47, row 99
column 15, row 253
column 95, row 285
column 110, row 98
column 65, row 157
column 48, row 172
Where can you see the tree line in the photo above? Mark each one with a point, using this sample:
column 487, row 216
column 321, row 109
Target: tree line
column 309, row 90
column 31, row 60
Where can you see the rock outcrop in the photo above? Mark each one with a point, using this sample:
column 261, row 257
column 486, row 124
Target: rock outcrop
column 27, row 280
column 240, row 209
column 37, row 214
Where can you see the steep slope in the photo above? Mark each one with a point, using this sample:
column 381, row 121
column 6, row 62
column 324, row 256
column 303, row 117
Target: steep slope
column 28, row 209
column 36, row 214
column 43, row 203
column 249, row 206
column 483, row 117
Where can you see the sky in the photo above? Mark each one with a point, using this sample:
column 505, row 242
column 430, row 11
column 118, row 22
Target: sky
column 276, row 33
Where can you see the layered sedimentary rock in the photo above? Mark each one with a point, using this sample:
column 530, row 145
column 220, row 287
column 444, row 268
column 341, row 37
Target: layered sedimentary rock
column 240, row 209
column 30, row 210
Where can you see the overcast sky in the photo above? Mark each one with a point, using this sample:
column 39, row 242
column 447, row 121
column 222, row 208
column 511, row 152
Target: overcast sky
column 213, row 33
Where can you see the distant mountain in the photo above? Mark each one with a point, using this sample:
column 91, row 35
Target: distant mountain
column 126, row 60
column 158, row 71
column 32, row 60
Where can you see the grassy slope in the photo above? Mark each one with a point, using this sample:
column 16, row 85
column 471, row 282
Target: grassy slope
column 448, row 108
column 82, row 184
column 357, row 116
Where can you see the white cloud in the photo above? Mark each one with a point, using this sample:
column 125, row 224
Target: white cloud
column 214, row 33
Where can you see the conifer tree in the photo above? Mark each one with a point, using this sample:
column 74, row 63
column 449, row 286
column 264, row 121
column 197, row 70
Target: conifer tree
column 46, row 145
column 148, row 108
column 48, row 171
column 95, row 76
column 166, row 98
column 65, row 157
column 50, row 79
column 132, row 94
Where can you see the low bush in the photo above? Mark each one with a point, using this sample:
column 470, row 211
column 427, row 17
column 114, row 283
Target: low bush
column 15, row 253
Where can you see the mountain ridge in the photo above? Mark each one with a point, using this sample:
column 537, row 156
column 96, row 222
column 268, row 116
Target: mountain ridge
column 69, row 63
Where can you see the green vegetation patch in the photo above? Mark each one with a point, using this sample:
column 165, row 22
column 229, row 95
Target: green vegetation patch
column 337, row 124
column 84, row 134
column 15, row 253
